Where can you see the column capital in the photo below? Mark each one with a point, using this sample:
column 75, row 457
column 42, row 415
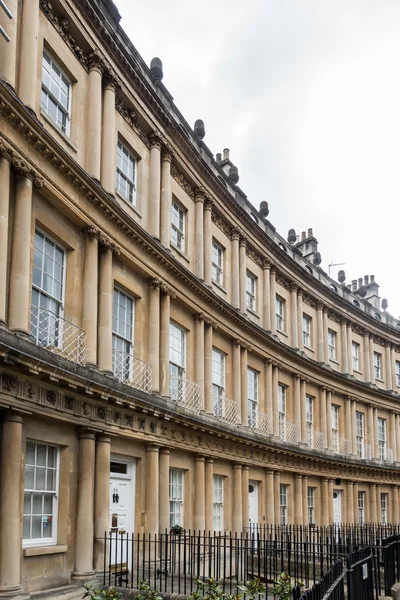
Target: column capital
column 106, row 245
column 167, row 290
column 273, row 269
column 152, row 447
column 6, row 152
column 156, row 140
column 268, row 361
column 167, row 152
column 103, row 438
column 111, row 80
column 165, row 451
column 209, row 460
column 209, row 321
column 245, row 468
column 199, row 458
column 209, row 203
column 320, row 305
column 343, row 321
column 200, row 194
column 91, row 231
column 95, row 61
column 294, row 287
column 13, row 416
column 298, row 476
column 84, row 433
column 243, row 241
column 237, row 466
column 235, row 234
column 266, row 264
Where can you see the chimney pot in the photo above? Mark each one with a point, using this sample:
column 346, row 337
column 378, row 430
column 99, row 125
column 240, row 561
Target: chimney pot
column 303, row 235
column 372, row 278
column 310, row 232
column 226, row 153
column 360, row 282
column 353, row 285
column 366, row 279
column 218, row 157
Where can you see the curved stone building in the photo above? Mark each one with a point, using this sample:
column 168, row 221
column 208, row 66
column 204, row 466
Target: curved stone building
column 166, row 357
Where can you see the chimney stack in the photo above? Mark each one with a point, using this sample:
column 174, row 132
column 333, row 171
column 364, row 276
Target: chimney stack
column 226, row 154
column 303, row 236
column 218, row 157
column 354, row 285
column 372, row 278
column 360, row 282
column 310, row 233
column 366, row 279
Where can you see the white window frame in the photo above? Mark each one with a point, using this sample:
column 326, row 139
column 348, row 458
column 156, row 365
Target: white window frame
column 311, row 505
column 283, row 503
column 361, row 508
column 176, row 496
column 218, row 502
column 280, row 313
column 50, row 541
column 122, row 344
column 332, row 338
column 251, row 291
column 355, row 356
column 307, row 330
column 65, row 110
column 335, row 427
column 360, row 434
column 125, row 184
column 382, row 438
column 397, row 372
column 217, row 260
column 252, row 396
column 309, row 418
column 384, row 501
column 282, row 410
column 178, row 226
column 177, row 364
column 378, row 365
column 218, row 381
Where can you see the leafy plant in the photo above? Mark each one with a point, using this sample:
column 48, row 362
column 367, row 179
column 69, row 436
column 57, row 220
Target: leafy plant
column 284, row 587
column 147, row 593
column 211, row 590
column 96, row 594
column 178, row 529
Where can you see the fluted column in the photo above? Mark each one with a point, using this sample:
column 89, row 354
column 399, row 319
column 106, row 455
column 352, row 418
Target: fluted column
column 164, row 343
column 349, row 348
column 393, row 435
column 4, row 223
column 303, row 430
column 245, row 497
column 267, row 295
column 300, row 320
column 275, row 412
column 242, row 273
column 294, row 321
column 273, row 299
column 244, row 400
column 101, row 499
column 388, row 368
column 28, row 52
column 343, row 325
column 323, row 416
column 166, row 201
column 20, row 267
column 154, row 332
column 199, row 234
column 305, row 500
column 330, row 498
column 329, row 419
column 237, row 504
column 237, row 375
column 269, row 497
column 324, row 503
column 297, row 402
column 106, row 291
column 207, row 241
column 367, row 365
column 209, row 494
column 8, row 51
column 208, row 392
column 155, row 184
column 320, row 332
column 371, row 359
column 108, row 136
column 325, row 328
column 152, row 489
column 350, row 502
column 85, row 506
column 199, row 521
column 235, row 236
column 90, row 294
column 395, row 504
column 298, row 500
column 164, row 489
column 277, row 491
column 10, row 503
column 268, row 391
column 94, row 112
column 199, row 356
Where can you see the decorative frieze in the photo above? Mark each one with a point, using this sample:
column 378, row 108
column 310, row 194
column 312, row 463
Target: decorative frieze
column 182, row 181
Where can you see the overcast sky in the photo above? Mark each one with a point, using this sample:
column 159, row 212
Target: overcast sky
column 306, row 95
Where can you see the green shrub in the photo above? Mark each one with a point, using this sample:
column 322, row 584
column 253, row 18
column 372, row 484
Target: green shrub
column 107, row 594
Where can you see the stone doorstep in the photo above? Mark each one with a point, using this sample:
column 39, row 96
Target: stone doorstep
column 64, row 592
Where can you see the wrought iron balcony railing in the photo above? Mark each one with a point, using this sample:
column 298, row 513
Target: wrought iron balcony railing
column 260, row 422
column 58, row 335
column 315, row 439
column 341, row 446
column 132, row 371
column 185, row 393
column 289, row 432
column 226, row 410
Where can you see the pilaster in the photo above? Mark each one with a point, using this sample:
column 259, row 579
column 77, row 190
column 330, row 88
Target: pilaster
column 152, row 489
column 94, row 114
column 209, row 494
column 237, row 499
column 155, row 183
column 108, row 133
column 164, row 489
column 166, row 196
column 199, row 521
column 101, row 499
column 28, row 53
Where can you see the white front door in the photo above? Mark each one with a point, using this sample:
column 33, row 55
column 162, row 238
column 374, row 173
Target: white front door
column 122, row 509
column 337, row 506
column 253, row 506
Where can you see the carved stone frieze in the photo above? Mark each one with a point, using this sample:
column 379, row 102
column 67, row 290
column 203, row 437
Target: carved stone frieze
column 19, row 165
column 182, row 181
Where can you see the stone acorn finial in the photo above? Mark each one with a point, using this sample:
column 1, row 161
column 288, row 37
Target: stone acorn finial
column 384, row 304
column 291, row 238
column 156, row 69
column 264, row 209
column 341, row 276
column 317, row 259
column 199, row 129
column 233, row 174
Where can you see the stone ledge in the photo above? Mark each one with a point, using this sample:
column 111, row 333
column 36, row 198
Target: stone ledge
column 42, row 550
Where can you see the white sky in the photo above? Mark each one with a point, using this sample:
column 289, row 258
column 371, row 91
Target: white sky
column 306, row 94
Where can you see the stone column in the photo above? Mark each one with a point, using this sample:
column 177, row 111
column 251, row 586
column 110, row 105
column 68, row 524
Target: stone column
column 154, row 332
column 236, row 375
column 329, row 419
column 345, row 368
column 164, row 489
column 395, row 504
column 372, row 502
column 277, row 495
column 320, row 332
column 371, row 430
column 101, row 499
column 106, row 292
column 375, row 426
column 8, row 54
column 393, row 436
column 199, row 356
column 349, row 349
column 94, row 112
column 298, row 500
column 305, row 500
column 242, row 273
column 28, row 52
column 245, row 498
column 355, row 497
column 244, row 400
column 273, row 300
column 378, row 503
column 347, row 429
column 294, row 322
column 367, row 369
column 10, row 503
column 235, row 236
column 388, row 368
column 330, row 496
column 353, row 427
column 85, row 506
column 323, row 417
column 152, row 489
column 398, row 436
column 350, row 502
column 297, row 402
column 20, row 267
column 166, row 200
column 90, row 294
column 325, row 327
column 275, row 412
column 303, row 430
column 371, row 359
column 199, row 522
column 325, row 503
column 237, row 504
column 155, row 184
column 208, row 391
column 300, row 320
column 164, row 343
column 108, row 135
column 4, row 216
column 269, row 497
column 209, row 494
column 199, row 234
column 393, row 369
column 207, row 241
column 267, row 295
column 268, row 392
